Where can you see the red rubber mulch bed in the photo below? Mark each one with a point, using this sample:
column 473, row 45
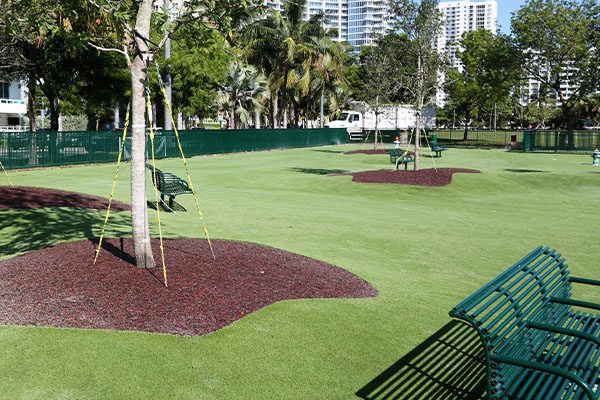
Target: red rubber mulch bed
column 423, row 177
column 23, row 197
column 370, row 151
column 59, row 286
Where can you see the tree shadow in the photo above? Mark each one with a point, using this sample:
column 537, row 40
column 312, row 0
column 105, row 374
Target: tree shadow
column 25, row 230
column 448, row 365
column 319, row 171
column 116, row 250
column 524, row 171
column 329, row 151
column 164, row 207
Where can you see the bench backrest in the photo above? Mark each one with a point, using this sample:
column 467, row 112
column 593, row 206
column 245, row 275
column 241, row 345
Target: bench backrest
column 157, row 177
column 172, row 184
column 521, row 293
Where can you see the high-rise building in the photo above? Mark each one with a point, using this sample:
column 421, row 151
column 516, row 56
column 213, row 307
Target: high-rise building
column 366, row 20
column 335, row 11
column 356, row 22
column 460, row 17
column 465, row 16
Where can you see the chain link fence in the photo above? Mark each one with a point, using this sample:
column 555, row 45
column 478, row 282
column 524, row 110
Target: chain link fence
column 40, row 149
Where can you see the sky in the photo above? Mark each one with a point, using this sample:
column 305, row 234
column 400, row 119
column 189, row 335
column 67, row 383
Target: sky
column 505, row 9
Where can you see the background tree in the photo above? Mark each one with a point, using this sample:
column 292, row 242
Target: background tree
column 386, row 66
column 321, row 70
column 489, row 70
column 128, row 31
column 47, row 36
column 271, row 45
column 559, row 40
column 421, row 22
column 287, row 49
column 242, row 94
column 197, row 68
column 104, row 87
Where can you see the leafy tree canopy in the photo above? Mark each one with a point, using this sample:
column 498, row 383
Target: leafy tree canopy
column 560, row 40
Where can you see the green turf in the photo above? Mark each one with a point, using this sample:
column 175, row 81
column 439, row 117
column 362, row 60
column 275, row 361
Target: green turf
column 423, row 249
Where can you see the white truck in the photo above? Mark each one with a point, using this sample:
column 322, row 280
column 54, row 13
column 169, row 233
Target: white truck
column 395, row 118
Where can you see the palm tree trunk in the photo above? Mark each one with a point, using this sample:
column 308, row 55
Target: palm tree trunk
column 321, row 113
column 274, row 110
column 139, row 210
column 257, row 118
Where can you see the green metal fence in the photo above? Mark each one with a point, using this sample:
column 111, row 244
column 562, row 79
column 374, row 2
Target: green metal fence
column 483, row 138
column 456, row 137
column 26, row 149
column 563, row 141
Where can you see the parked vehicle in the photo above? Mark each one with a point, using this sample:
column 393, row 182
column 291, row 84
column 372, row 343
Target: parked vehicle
column 385, row 118
column 590, row 125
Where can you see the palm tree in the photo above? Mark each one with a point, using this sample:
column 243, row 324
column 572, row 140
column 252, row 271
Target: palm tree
column 322, row 70
column 279, row 45
column 242, row 93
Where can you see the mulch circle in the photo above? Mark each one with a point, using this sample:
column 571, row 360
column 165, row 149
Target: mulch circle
column 58, row 286
column 23, row 197
column 369, row 151
column 423, row 177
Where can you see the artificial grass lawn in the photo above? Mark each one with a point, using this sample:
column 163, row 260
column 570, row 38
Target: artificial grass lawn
column 422, row 248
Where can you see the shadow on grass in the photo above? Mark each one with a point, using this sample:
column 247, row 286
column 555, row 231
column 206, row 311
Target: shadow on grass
column 164, row 207
column 329, row 151
column 524, row 171
column 319, row 171
column 24, row 230
column 448, row 365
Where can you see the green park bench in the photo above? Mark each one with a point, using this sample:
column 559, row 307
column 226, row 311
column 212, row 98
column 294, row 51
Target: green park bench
column 168, row 184
column 437, row 148
column 400, row 157
column 539, row 342
column 395, row 153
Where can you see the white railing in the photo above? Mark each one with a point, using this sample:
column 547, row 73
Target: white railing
column 12, row 106
column 12, row 128
column 11, row 101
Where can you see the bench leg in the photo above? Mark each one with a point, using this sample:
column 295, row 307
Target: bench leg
column 171, row 199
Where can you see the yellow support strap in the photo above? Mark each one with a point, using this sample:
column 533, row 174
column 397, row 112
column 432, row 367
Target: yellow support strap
column 7, row 177
column 187, row 170
column 112, row 192
column 151, row 134
column 430, row 150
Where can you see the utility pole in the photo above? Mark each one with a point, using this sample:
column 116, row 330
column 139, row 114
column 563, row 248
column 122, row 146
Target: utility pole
column 168, row 125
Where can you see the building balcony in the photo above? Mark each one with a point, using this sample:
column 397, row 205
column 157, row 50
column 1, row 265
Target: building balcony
column 10, row 106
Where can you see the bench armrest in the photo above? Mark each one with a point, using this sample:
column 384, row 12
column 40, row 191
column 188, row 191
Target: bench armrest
column 545, row 368
column 563, row 331
column 169, row 177
column 584, row 281
column 576, row 303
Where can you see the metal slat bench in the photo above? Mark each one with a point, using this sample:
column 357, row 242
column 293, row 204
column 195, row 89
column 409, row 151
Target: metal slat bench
column 538, row 341
column 168, row 184
column 400, row 157
column 438, row 148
